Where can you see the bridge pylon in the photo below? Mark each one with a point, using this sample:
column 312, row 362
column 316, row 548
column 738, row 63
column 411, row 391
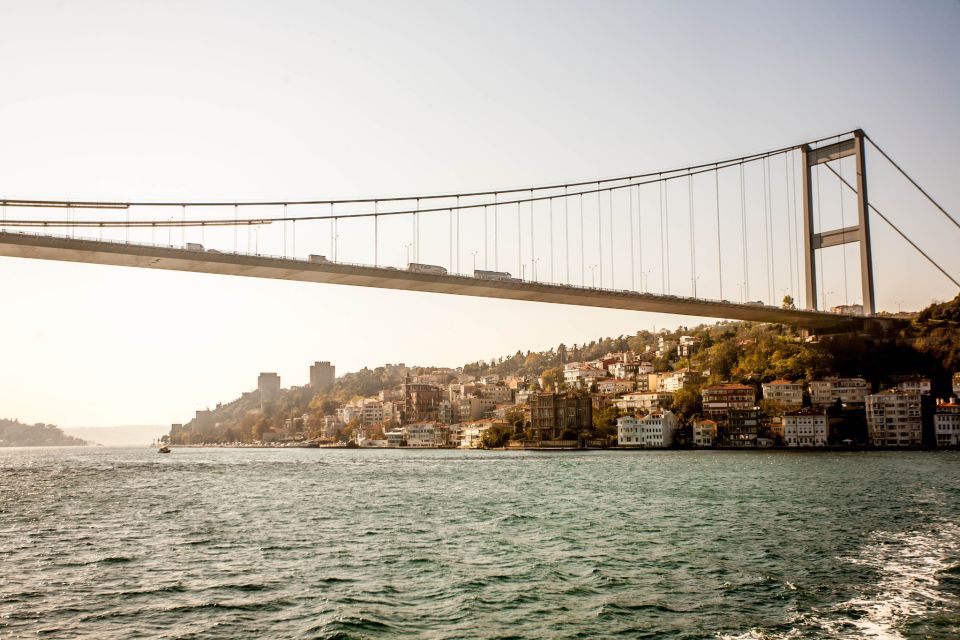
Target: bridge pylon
column 860, row 232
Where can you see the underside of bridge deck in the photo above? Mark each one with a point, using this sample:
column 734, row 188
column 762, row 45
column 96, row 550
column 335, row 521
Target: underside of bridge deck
column 43, row 247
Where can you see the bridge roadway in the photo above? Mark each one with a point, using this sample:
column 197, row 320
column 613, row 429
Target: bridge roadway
column 45, row 247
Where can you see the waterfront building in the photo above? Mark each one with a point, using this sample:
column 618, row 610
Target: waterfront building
column 395, row 437
column 776, row 428
column 805, row 428
column 268, row 384
column 851, row 392
column 628, row 431
column 742, row 427
column 946, row 424
column 552, row 415
column 647, row 402
column 322, row 376
column 894, row 419
column 425, row 435
column 786, row 395
column 471, row 433
column 654, row 431
column 719, row 399
column 704, row 433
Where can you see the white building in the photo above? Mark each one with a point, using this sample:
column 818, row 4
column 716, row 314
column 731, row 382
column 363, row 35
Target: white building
column 894, row 419
column 631, row 402
column 425, row 434
column 915, row 384
column 674, row 380
column 786, row 394
column 582, row 375
column 946, row 424
column 851, row 392
column 704, row 433
column 666, row 347
column 655, row 431
column 805, row 428
column 688, row 344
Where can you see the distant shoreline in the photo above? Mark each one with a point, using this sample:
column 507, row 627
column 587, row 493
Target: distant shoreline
column 827, row 449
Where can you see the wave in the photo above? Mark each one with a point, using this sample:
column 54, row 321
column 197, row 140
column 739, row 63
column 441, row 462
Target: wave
column 909, row 565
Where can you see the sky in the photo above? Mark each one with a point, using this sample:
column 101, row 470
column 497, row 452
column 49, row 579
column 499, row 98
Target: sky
column 212, row 101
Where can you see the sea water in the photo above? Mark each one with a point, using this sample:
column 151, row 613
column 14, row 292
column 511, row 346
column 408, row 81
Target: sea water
column 315, row 543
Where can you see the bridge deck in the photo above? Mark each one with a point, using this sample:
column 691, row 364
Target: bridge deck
column 44, row 247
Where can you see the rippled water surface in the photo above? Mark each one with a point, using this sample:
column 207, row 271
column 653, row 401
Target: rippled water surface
column 308, row 543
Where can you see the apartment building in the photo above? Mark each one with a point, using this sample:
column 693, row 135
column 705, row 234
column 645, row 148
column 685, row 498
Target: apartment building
column 719, row 399
column 742, row 427
column 894, row 419
column 805, row 428
column 704, row 433
column 851, row 392
column 552, row 414
column 654, row 431
column 647, row 401
column 785, row 394
column 946, row 424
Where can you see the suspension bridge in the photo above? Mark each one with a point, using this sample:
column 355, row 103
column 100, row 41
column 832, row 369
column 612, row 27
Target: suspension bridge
column 724, row 239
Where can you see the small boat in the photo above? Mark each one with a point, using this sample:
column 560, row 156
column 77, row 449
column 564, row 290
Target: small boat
column 164, row 449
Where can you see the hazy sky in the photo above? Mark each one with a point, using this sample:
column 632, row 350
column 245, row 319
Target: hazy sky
column 266, row 100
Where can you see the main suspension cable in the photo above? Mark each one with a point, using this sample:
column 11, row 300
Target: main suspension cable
column 897, row 229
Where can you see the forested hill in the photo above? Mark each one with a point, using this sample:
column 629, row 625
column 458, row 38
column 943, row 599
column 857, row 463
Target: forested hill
column 14, row 433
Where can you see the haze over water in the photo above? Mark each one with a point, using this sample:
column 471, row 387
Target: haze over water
column 221, row 543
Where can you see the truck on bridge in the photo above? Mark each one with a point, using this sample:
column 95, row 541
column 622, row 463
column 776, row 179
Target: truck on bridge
column 433, row 269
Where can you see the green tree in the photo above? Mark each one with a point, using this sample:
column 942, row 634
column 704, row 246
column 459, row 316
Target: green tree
column 552, row 379
column 687, row 402
column 605, row 422
column 495, row 436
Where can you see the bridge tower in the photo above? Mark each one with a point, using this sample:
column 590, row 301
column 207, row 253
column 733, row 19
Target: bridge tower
column 859, row 232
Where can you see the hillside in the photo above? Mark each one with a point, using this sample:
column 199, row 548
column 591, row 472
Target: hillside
column 750, row 353
column 14, row 433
